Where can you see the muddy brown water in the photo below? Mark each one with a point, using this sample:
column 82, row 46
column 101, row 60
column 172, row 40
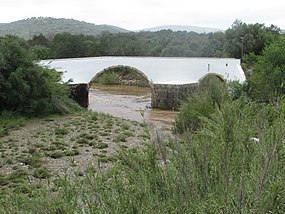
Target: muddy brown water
column 129, row 102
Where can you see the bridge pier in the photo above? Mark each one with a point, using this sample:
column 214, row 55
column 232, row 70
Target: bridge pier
column 168, row 96
column 80, row 93
column 163, row 96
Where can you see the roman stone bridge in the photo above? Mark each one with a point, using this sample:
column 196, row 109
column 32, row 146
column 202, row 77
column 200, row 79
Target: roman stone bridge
column 170, row 78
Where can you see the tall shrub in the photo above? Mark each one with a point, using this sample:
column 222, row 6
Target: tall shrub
column 267, row 81
column 209, row 96
column 26, row 87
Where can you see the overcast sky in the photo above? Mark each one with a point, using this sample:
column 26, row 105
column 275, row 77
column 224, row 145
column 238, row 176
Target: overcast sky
column 138, row 14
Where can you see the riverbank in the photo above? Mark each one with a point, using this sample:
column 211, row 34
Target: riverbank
column 233, row 163
column 46, row 150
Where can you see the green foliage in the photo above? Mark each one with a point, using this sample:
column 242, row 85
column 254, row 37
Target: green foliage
column 56, row 154
column 244, row 38
column 210, row 95
column 219, row 169
column 42, row 173
column 9, row 120
column 233, row 163
column 40, row 52
column 26, row 87
column 60, row 131
column 162, row 43
column 48, row 26
column 121, row 137
column 238, row 90
column 267, row 79
column 65, row 40
column 72, row 152
column 100, row 145
column 108, row 78
column 122, row 75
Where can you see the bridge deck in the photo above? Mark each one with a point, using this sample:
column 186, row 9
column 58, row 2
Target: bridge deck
column 159, row 70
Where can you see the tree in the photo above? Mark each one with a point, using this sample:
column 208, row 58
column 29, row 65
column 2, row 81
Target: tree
column 41, row 52
column 26, row 87
column 216, row 45
column 267, row 81
column 39, row 40
column 244, row 38
column 66, row 45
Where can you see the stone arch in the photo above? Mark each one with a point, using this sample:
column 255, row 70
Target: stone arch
column 150, row 83
column 211, row 75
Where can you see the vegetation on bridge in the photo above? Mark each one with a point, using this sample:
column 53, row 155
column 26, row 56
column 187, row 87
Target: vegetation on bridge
column 121, row 75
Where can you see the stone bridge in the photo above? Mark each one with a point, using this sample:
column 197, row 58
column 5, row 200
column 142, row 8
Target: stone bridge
column 170, row 78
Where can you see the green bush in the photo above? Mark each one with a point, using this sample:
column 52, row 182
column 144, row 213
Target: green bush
column 9, row 120
column 56, row 154
column 221, row 168
column 209, row 96
column 72, row 152
column 26, row 87
column 267, row 80
column 42, row 173
column 108, row 78
column 234, row 163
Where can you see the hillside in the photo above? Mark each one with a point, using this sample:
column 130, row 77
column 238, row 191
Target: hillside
column 49, row 26
column 187, row 28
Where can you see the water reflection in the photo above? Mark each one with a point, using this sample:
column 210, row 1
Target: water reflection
column 129, row 102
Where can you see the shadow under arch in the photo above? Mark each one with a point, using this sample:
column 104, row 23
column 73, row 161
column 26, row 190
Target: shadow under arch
column 204, row 79
column 149, row 81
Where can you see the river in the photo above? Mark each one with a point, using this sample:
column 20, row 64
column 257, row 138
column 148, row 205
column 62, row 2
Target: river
column 129, row 102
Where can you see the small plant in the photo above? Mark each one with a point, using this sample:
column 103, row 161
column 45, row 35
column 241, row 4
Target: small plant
column 56, row 154
column 59, row 182
column 39, row 145
column 4, row 180
column 18, row 176
column 145, row 135
column 107, row 159
column 121, row 138
column 82, row 141
column 108, row 78
column 125, row 126
column 100, row 145
column 59, row 144
column 105, row 133
column 72, row 152
column 42, row 173
column 9, row 161
column 33, row 160
column 94, row 116
column 72, row 161
column 128, row 133
column 61, row 131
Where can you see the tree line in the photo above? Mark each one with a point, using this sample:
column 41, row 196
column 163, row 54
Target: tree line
column 237, row 41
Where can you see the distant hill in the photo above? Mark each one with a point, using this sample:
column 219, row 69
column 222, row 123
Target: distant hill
column 187, row 28
column 50, row 26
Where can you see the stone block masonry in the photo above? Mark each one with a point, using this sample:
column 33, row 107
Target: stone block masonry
column 163, row 96
column 168, row 96
column 80, row 93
